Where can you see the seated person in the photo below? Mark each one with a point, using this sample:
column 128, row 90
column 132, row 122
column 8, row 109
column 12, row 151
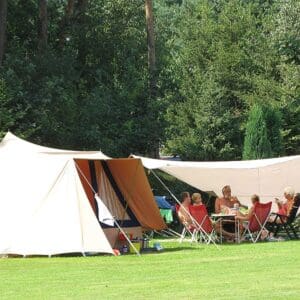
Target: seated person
column 284, row 208
column 246, row 217
column 196, row 199
column 226, row 203
column 183, row 211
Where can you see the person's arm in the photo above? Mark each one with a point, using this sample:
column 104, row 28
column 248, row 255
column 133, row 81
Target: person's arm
column 181, row 216
column 217, row 206
column 245, row 217
column 283, row 209
column 289, row 206
column 279, row 203
column 240, row 204
column 184, row 216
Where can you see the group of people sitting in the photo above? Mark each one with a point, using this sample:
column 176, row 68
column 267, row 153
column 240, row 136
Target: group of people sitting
column 227, row 203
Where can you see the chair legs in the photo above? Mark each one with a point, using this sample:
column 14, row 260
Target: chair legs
column 288, row 228
column 184, row 232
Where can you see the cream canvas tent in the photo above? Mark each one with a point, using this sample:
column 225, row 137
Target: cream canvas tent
column 47, row 203
column 265, row 177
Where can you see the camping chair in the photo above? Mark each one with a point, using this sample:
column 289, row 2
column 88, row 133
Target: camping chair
column 285, row 223
column 204, row 229
column 187, row 228
column 257, row 222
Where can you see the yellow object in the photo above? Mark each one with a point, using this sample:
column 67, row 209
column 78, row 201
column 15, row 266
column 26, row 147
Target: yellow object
column 137, row 246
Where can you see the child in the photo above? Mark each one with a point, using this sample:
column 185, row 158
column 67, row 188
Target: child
column 246, row 217
column 196, row 199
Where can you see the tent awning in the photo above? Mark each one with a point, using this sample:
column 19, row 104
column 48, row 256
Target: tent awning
column 265, row 177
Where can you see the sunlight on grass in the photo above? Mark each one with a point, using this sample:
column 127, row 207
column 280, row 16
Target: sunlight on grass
column 256, row 271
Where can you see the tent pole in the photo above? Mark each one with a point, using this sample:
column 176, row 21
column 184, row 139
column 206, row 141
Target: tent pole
column 193, row 219
column 164, row 185
column 126, row 237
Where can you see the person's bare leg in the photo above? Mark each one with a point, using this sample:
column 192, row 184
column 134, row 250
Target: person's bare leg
column 224, row 233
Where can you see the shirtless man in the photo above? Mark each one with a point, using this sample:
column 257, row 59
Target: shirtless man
column 225, row 203
column 183, row 211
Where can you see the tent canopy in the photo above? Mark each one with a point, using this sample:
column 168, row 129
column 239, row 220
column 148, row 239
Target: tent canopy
column 265, row 177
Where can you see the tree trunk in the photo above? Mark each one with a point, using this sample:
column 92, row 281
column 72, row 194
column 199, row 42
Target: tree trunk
column 81, row 6
column 152, row 68
column 65, row 22
column 42, row 25
column 151, row 47
column 3, row 15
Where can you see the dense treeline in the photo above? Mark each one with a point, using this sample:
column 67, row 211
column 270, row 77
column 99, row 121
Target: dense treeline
column 75, row 74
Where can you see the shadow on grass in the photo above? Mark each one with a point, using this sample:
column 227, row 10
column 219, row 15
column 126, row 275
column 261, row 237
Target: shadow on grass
column 171, row 249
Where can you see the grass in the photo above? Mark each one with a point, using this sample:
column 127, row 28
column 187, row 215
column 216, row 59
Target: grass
column 180, row 271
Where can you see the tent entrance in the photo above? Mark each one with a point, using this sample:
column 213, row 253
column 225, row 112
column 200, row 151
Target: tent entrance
column 96, row 177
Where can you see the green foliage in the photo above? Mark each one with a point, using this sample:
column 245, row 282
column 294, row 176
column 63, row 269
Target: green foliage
column 6, row 116
column 116, row 113
column 286, row 41
column 217, row 77
column 215, row 60
column 290, row 107
column 257, row 144
column 286, row 32
column 273, row 120
column 88, row 91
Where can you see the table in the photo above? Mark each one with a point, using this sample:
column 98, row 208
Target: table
column 221, row 217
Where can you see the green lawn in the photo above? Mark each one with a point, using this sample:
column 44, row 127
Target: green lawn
column 268, row 270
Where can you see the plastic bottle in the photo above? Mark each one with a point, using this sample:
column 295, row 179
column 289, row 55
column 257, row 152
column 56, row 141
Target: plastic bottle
column 125, row 249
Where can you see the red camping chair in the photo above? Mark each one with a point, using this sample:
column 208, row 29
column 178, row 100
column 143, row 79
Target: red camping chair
column 257, row 221
column 204, row 227
column 187, row 228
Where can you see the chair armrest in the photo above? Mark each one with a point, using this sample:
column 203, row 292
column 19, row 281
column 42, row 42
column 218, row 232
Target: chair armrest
column 282, row 218
column 280, row 215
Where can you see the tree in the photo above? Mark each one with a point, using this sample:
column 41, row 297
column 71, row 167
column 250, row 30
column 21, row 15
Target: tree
column 273, row 120
column 43, row 25
column 222, row 62
column 286, row 41
column 286, row 30
column 256, row 144
column 152, row 72
column 211, row 61
column 151, row 47
column 3, row 15
column 65, row 21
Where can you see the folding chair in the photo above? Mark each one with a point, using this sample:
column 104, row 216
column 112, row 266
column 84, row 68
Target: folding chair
column 285, row 223
column 257, row 222
column 204, row 229
column 187, row 228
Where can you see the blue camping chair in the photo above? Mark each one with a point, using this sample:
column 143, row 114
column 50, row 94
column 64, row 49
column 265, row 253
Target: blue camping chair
column 162, row 202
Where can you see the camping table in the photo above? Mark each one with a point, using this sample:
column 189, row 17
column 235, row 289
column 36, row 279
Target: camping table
column 221, row 217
